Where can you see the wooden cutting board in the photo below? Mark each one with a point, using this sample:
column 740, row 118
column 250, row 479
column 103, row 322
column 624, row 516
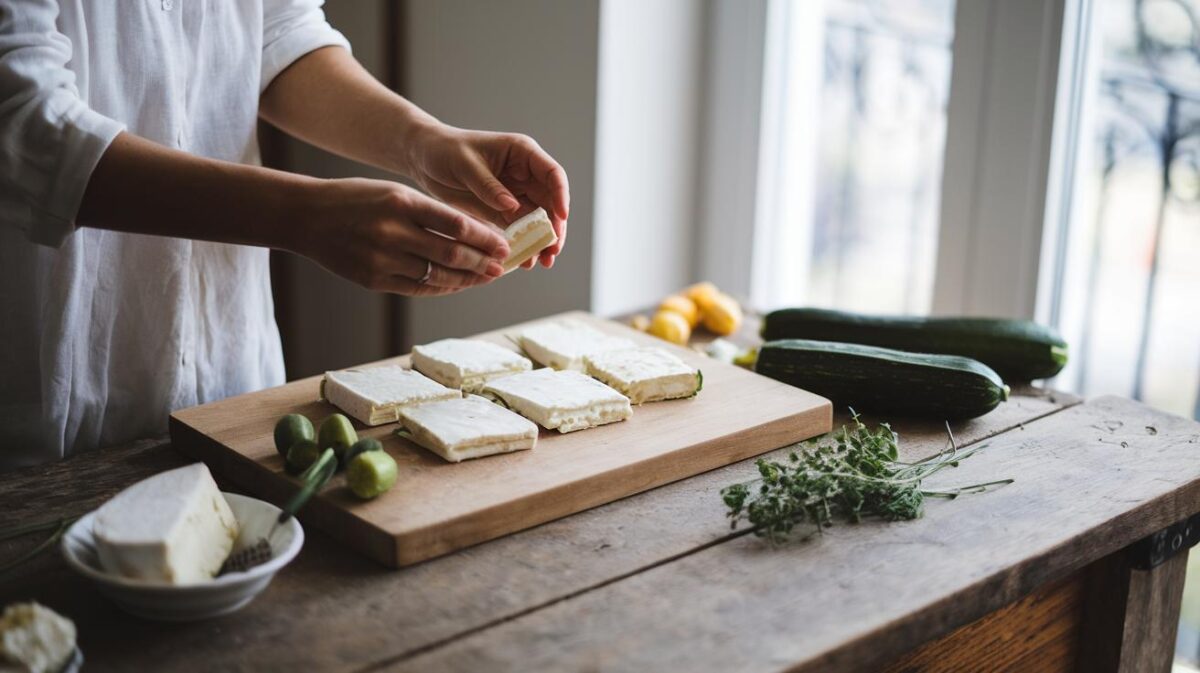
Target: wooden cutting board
column 438, row 507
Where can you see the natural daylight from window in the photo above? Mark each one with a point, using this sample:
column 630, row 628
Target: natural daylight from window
column 858, row 181
column 856, row 138
column 1128, row 297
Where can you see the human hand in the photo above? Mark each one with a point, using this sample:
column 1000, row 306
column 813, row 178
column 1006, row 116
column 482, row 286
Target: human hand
column 496, row 177
column 384, row 236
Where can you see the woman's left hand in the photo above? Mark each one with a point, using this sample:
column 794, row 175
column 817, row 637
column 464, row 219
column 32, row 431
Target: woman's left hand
column 496, row 177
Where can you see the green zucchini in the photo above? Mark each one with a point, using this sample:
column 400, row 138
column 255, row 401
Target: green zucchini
column 869, row 378
column 1018, row 350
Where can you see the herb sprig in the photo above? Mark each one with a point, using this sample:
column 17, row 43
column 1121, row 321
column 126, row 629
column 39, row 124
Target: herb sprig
column 856, row 473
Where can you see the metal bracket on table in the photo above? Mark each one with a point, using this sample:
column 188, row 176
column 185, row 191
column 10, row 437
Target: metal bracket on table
column 1159, row 547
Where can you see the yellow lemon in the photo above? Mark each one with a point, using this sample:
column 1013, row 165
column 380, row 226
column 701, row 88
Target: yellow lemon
column 670, row 326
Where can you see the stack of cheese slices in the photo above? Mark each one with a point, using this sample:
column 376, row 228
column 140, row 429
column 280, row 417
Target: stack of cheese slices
column 466, row 398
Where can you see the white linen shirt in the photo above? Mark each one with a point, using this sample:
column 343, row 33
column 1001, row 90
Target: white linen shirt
column 103, row 334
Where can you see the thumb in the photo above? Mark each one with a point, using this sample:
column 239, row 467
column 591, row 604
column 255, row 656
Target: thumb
column 480, row 180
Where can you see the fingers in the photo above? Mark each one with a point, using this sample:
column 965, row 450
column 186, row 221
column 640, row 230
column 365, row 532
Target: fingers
column 414, row 268
column 540, row 168
column 452, row 254
column 439, row 217
column 554, row 180
column 471, row 205
column 411, row 288
column 544, row 183
column 479, row 179
column 560, row 229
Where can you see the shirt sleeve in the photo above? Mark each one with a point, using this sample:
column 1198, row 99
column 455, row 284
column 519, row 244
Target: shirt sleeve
column 291, row 29
column 50, row 140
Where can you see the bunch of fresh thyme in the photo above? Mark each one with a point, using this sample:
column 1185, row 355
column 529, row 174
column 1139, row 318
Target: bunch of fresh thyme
column 855, row 475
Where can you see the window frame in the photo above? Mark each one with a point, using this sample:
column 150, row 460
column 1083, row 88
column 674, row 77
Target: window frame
column 995, row 253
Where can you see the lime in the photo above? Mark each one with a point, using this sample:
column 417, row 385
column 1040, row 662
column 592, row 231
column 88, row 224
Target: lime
column 371, row 473
column 337, row 433
column 291, row 429
column 363, row 445
column 302, row 454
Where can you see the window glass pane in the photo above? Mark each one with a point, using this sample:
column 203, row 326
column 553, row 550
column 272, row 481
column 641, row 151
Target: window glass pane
column 854, row 151
column 1129, row 298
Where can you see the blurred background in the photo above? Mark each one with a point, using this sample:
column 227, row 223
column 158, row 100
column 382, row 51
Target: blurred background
column 1023, row 158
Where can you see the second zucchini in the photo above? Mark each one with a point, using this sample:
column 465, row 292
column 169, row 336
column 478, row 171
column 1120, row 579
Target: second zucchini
column 869, row 378
column 1018, row 350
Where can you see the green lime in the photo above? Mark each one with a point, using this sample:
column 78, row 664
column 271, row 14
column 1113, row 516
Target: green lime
column 302, row 454
column 291, row 429
column 361, row 446
column 337, row 433
column 371, row 473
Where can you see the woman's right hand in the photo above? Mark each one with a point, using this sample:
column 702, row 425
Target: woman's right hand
column 384, row 236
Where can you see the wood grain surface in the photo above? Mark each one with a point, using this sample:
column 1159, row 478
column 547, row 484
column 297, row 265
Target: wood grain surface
column 1089, row 481
column 1131, row 616
column 437, row 507
column 334, row 610
column 1039, row 633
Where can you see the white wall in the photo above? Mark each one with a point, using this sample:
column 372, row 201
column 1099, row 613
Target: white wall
column 651, row 64
column 732, row 132
column 518, row 65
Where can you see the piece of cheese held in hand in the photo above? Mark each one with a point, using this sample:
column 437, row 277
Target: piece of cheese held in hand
column 560, row 400
column 645, row 374
column 174, row 527
column 467, row 364
column 527, row 237
column 377, row 394
column 469, row 427
column 562, row 344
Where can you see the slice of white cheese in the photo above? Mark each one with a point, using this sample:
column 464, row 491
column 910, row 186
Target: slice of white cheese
column 35, row 639
column 469, row 427
column 646, row 374
column 527, row 237
column 560, row 400
column 375, row 395
column 562, row 344
column 174, row 527
column 467, row 364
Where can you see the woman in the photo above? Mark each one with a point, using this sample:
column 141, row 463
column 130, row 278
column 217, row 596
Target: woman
column 136, row 219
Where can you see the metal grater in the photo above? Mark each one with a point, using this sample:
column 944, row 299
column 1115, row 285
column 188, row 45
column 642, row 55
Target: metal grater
column 254, row 555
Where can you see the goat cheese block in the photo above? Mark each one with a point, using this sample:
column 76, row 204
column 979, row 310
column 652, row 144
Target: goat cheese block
column 174, row 527
column 377, row 394
column 645, row 374
column 35, row 639
column 560, row 400
column 469, row 427
column 467, row 364
column 527, row 237
column 562, row 344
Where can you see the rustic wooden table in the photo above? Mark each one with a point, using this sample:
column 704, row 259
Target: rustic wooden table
column 1037, row 575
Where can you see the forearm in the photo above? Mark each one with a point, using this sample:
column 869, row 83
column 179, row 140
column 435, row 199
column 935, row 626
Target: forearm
column 378, row 233
column 142, row 187
column 329, row 100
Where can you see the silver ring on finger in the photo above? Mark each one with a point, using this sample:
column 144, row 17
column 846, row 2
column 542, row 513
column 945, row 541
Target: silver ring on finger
column 428, row 273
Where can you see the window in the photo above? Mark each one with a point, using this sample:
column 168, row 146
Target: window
column 1128, row 285
column 852, row 154
column 1013, row 158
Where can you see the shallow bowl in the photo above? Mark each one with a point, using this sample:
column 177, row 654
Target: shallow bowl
column 187, row 602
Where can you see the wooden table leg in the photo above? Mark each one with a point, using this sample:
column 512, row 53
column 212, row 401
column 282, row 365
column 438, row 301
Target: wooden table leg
column 1131, row 616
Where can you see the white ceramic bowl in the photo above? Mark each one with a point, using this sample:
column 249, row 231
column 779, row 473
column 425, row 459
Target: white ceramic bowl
column 177, row 603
